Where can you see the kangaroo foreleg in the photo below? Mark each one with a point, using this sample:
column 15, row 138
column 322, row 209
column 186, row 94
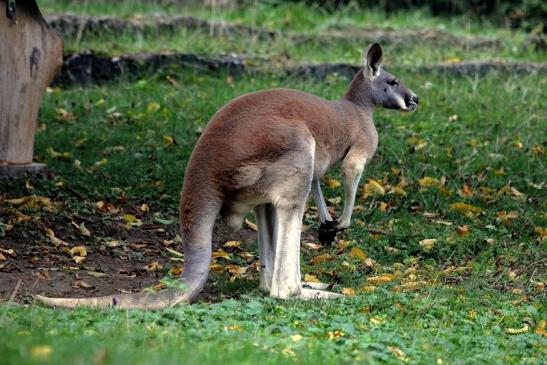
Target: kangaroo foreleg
column 352, row 169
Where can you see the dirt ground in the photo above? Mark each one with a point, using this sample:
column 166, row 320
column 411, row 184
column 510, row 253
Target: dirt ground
column 36, row 266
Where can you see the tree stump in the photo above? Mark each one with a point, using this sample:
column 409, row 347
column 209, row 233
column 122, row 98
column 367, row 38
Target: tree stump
column 31, row 53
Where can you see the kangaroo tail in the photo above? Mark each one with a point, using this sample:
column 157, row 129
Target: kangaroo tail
column 197, row 223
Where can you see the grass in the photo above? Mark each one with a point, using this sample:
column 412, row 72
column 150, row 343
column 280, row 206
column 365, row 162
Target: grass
column 467, row 170
column 437, row 325
column 299, row 18
column 455, row 302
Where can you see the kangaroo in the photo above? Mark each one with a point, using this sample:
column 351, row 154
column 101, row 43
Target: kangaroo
column 265, row 151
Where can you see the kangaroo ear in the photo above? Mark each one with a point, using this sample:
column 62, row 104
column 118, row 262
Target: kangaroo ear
column 372, row 59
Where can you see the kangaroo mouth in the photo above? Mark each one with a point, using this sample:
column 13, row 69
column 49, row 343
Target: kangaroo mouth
column 411, row 103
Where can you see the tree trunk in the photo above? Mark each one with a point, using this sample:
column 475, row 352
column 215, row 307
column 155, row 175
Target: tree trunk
column 31, row 53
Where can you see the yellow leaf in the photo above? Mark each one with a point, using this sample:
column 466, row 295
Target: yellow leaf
column 64, row 115
column 335, row 334
column 541, row 328
column 56, row 241
column 153, row 266
column 462, row 230
column 40, row 352
column 78, row 251
column 232, row 327
column 427, row 244
column 296, row 338
column 222, row 254
column 144, row 207
column 168, row 140
column 374, row 187
column 251, row 225
column 453, row 59
column 465, row 208
column 368, row 288
column 83, row 230
column 232, row 244
column 332, row 183
column 398, row 353
column 398, row 191
column 132, row 220
column 541, row 231
column 358, row 253
column 382, row 278
column 152, row 107
column 78, row 259
column 349, row 292
column 320, row 258
column 311, row 278
column 428, row 181
column 236, row 270
column 55, row 154
column 516, row 331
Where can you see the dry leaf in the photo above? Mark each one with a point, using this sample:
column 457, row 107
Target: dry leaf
column 516, row 331
column 382, row 278
column 358, row 253
column 311, row 278
column 427, row 244
column 40, row 352
column 465, row 208
column 320, row 258
column 251, row 225
column 374, row 187
column 222, row 254
column 152, row 107
column 398, row 353
column 56, row 241
column 332, row 183
column 2, row 257
column 462, row 230
column 232, row 244
column 428, row 181
column 349, row 292
column 313, row 246
column 144, row 207
column 83, row 230
column 153, row 266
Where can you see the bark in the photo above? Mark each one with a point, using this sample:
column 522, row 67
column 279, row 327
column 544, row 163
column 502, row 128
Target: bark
column 31, row 53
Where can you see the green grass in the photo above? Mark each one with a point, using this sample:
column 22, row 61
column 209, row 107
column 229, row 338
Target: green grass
column 436, row 325
column 475, row 296
column 455, row 302
column 299, row 18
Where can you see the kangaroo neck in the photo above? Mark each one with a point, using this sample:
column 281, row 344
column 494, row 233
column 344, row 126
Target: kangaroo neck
column 359, row 94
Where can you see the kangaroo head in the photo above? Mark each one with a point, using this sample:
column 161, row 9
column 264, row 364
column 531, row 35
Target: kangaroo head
column 383, row 88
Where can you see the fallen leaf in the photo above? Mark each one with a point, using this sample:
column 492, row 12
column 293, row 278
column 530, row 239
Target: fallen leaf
column 311, row 278
column 2, row 257
column 356, row 252
column 382, row 278
column 222, row 254
column 232, row 244
column 40, row 352
column 313, row 246
column 144, row 207
column 174, row 252
column 153, row 266
column 332, row 183
column 462, row 230
column 465, row 208
column 96, row 274
column 296, row 338
column 541, row 328
column 428, row 181
column 56, row 241
column 251, row 225
column 57, row 155
column 83, row 230
column 152, row 107
column 374, row 187
column 78, row 251
column 168, row 140
column 349, row 292
column 80, row 284
column 427, row 244
column 516, row 331
column 132, row 220
column 320, row 258
column 398, row 353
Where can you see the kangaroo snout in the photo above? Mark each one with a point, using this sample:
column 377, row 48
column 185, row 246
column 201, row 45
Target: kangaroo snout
column 411, row 102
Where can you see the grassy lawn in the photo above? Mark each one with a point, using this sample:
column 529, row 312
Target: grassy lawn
column 444, row 262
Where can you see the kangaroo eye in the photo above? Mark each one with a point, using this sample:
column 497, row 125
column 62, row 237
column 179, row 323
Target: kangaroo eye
column 393, row 82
